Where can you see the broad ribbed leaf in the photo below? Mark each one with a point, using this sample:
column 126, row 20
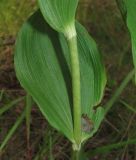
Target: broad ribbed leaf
column 39, row 71
column 129, row 10
column 42, row 63
column 60, row 14
column 131, row 22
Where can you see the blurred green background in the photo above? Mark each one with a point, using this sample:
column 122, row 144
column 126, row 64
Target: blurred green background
column 104, row 22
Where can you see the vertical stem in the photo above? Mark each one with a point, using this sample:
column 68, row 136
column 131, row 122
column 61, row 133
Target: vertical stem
column 50, row 145
column 28, row 114
column 75, row 71
column 75, row 155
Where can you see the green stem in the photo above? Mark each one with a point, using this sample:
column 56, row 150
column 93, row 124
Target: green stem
column 51, row 147
column 75, row 71
column 28, row 116
column 75, row 155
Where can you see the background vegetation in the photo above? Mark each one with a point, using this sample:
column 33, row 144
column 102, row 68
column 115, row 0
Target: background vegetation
column 104, row 22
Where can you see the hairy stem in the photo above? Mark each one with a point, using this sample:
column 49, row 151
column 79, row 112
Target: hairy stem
column 75, row 71
column 75, row 155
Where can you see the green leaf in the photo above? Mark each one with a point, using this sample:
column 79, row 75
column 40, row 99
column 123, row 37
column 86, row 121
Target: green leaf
column 96, row 117
column 42, row 63
column 131, row 23
column 60, row 14
column 39, row 71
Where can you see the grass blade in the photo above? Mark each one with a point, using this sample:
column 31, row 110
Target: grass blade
column 128, row 106
column 12, row 131
column 10, row 105
column 118, row 92
column 108, row 148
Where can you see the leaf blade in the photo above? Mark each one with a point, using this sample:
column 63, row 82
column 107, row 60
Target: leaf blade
column 59, row 14
column 127, row 8
column 42, row 81
column 42, row 65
